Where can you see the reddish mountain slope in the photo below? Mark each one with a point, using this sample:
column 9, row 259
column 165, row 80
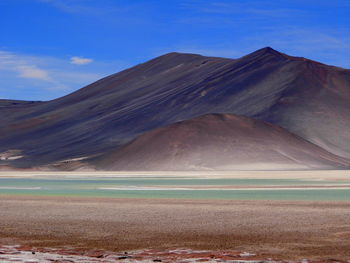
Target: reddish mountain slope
column 220, row 142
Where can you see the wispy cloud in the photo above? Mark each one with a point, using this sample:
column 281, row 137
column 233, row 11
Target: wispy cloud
column 33, row 72
column 290, row 27
column 83, row 7
column 257, row 8
column 80, row 60
column 70, row 6
column 22, row 66
column 327, row 47
column 49, row 77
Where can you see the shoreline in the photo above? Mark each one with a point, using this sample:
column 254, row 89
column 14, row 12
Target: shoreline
column 305, row 174
column 25, row 254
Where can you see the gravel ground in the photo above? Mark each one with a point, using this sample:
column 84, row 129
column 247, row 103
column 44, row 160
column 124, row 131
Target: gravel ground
column 276, row 229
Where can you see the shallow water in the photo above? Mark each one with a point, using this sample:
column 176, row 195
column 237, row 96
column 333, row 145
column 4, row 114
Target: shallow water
column 181, row 188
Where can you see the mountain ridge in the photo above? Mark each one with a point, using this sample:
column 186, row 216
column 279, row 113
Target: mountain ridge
column 308, row 99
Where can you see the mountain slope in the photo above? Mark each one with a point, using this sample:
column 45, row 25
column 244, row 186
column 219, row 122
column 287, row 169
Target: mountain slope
column 220, row 142
column 305, row 97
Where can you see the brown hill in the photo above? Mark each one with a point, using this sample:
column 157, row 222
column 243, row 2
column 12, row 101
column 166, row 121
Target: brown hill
column 220, row 142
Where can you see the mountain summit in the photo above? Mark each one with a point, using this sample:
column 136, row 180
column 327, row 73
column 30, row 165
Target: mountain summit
column 308, row 99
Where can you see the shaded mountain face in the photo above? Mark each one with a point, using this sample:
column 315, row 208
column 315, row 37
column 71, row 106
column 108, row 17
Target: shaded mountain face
column 220, row 142
column 307, row 98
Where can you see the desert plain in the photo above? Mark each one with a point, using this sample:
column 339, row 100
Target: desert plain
column 277, row 229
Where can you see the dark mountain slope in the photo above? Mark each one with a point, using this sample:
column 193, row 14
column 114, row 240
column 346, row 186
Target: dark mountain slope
column 99, row 116
column 316, row 107
column 220, row 142
column 308, row 98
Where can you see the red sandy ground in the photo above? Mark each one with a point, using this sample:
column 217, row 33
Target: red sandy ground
column 282, row 230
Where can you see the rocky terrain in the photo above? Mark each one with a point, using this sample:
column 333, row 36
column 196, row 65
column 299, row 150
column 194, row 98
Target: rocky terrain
column 25, row 254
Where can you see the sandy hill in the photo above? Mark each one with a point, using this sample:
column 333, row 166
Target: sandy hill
column 220, row 142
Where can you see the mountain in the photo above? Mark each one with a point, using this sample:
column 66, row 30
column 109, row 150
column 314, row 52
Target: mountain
column 219, row 142
column 307, row 98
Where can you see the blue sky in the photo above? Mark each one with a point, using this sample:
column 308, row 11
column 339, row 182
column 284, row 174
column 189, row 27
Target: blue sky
column 49, row 48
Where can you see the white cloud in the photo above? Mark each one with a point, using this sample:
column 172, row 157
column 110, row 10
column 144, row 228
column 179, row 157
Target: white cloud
column 23, row 67
column 24, row 76
column 33, row 72
column 80, row 60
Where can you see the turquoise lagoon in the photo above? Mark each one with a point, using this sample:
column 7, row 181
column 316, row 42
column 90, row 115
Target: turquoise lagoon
column 178, row 188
